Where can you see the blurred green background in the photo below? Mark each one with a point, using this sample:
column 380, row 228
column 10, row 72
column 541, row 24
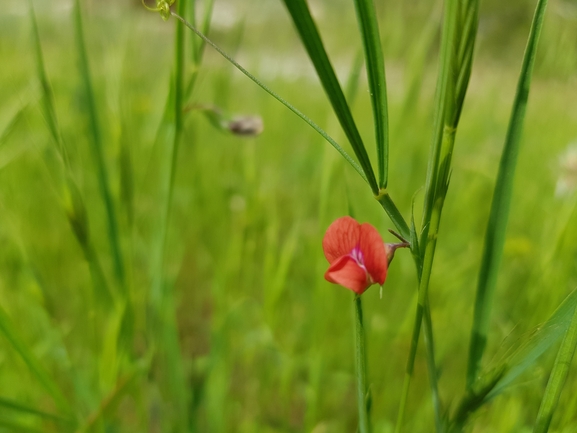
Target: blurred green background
column 264, row 343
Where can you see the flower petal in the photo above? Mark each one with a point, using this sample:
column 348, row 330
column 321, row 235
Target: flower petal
column 374, row 253
column 346, row 272
column 341, row 238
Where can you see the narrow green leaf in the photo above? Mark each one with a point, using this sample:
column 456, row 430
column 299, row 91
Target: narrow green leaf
column 523, row 355
column 16, row 406
column 9, row 127
column 111, row 401
column 558, row 377
column 72, row 200
column 15, row 427
column 275, row 95
column 45, row 380
column 47, row 97
column 369, row 27
column 497, row 225
column 537, row 343
column 311, row 39
column 97, row 147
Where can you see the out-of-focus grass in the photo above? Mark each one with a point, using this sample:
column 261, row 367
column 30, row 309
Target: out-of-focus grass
column 266, row 343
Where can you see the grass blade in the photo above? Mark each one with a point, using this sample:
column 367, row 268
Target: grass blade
column 7, row 328
column 48, row 98
column 537, row 343
column 16, row 406
column 97, row 147
column 72, row 200
column 369, row 26
column 497, row 225
column 526, row 351
column 311, row 39
column 558, row 377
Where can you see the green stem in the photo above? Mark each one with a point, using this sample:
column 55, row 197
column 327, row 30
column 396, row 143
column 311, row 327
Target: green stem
column 361, row 367
column 396, row 217
column 423, row 300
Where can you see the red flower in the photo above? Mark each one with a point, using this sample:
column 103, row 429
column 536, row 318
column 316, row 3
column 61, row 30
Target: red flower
column 356, row 254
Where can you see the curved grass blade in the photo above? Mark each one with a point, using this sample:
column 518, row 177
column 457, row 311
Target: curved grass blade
column 14, row 427
column 19, row 407
column 48, row 98
column 97, row 147
column 72, row 200
column 10, row 126
column 558, row 377
column 311, row 39
column 275, row 95
column 495, row 381
column 369, row 27
column 45, row 380
column 110, row 402
column 499, row 216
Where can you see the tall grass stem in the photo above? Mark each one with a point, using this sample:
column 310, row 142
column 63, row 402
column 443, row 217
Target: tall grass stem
column 361, row 367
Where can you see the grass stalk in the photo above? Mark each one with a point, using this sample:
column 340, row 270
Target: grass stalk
column 361, row 367
column 459, row 30
column 162, row 300
column 502, row 195
column 33, row 363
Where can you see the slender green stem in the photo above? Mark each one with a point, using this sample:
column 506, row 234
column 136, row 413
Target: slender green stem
column 275, row 95
column 394, row 214
column 163, row 320
column 423, row 299
column 361, row 367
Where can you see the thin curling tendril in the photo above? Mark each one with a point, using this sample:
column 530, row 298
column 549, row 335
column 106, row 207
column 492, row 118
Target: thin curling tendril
column 162, row 6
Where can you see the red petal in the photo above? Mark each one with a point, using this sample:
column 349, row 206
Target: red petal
column 346, row 272
column 341, row 237
column 374, row 253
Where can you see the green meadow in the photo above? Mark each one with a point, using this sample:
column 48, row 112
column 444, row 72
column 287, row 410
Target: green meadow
column 159, row 273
